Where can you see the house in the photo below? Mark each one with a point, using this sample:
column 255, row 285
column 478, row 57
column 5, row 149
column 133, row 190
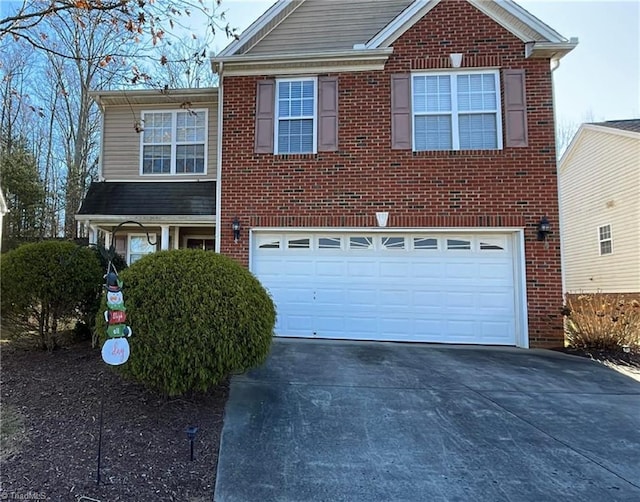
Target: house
column 158, row 168
column 387, row 169
column 599, row 177
column 391, row 165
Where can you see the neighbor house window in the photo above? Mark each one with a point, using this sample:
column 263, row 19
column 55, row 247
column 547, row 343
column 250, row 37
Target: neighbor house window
column 456, row 111
column 139, row 246
column 295, row 125
column 174, row 142
column 604, row 237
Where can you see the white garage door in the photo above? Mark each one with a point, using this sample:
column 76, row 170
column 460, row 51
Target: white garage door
column 404, row 287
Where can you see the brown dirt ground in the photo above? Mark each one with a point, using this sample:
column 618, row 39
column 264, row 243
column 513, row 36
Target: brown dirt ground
column 145, row 450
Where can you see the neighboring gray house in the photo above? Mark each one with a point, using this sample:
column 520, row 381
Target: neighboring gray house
column 599, row 178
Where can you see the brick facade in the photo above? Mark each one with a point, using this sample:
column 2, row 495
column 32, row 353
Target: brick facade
column 513, row 187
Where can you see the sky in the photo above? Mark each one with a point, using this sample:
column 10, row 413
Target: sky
column 599, row 80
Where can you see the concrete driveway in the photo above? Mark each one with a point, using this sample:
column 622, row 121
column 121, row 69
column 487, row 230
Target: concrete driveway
column 347, row 421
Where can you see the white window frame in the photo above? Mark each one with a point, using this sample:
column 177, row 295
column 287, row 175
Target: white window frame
column 276, row 127
column 152, row 237
column 602, row 241
column 203, row 237
column 455, row 113
column 174, row 143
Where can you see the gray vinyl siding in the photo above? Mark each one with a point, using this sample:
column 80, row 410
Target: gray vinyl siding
column 600, row 185
column 313, row 27
column 121, row 144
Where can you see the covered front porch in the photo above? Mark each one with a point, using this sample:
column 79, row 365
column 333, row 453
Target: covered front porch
column 140, row 218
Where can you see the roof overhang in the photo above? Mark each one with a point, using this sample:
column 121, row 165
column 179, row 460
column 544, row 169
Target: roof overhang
column 296, row 64
column 116, row 219
column 551, row 50
column 154, row 96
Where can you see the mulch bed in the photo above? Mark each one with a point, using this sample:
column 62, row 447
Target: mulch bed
column 145, row 450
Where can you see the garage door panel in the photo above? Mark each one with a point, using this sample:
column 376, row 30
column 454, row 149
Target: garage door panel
column 335, row 269
column 391, row 297
column 362, row 268
column 498, row 301
column 394, row 269
column 426, row 270
column 362, row 297
column 378, row 292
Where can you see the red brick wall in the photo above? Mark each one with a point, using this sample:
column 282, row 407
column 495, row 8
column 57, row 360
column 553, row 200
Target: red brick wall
column 513, row 187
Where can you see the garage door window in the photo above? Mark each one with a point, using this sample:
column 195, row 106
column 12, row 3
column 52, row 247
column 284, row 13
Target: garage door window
column 299, row 244
column 269, row 243
column 490, row 246
column 361, row 243
column 454, row 244
column 393, row 243
column 329, row 243
column 425, row 243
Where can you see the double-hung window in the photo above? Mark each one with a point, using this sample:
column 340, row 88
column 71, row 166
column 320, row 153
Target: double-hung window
column 456, row 111
column 139, row 246
column 174, row 142
column 605, row 239
column 296, row 115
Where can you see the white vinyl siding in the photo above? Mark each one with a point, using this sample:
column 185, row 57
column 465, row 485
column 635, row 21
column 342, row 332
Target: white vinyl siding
column 599, row 185
column 174, row 142
column 456, row 111
column 121, row 151
column 296, row 116
column 311, row 27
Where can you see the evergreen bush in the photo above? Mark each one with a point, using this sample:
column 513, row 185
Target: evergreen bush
column 46, row 284
column 196, row 317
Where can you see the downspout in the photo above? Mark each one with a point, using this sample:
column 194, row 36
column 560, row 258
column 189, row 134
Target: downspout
column 101, row 156
column 219, row 159
column 555, row 64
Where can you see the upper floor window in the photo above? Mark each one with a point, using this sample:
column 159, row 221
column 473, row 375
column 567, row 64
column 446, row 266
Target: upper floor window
column 174, row 142
column 296, row 106
column 605, row 240
column 456, row 111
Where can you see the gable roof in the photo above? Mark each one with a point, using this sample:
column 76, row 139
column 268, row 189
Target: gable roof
column 614, row 128
column 632, row 125
column 197, row 198
column 346, row 30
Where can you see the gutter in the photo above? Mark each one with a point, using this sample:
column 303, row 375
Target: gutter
column 316, row 57
column 218, row 229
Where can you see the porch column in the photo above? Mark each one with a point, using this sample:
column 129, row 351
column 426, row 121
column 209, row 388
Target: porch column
column 107, row 240
column 164, row 240
column 93, row 234
column 176, row 237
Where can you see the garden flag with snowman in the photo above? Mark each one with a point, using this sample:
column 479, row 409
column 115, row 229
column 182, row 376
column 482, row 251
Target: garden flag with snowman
column 115, row 350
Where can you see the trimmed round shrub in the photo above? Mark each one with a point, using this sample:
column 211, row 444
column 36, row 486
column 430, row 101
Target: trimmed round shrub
column 46, row 284
column 196, row 317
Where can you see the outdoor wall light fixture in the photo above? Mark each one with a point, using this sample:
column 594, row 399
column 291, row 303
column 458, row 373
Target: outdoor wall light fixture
column 235, row 226
column 191, row 434
column 544, row 229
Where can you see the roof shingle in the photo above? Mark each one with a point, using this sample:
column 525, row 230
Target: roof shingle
column 632, row 125
column 150, row 198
